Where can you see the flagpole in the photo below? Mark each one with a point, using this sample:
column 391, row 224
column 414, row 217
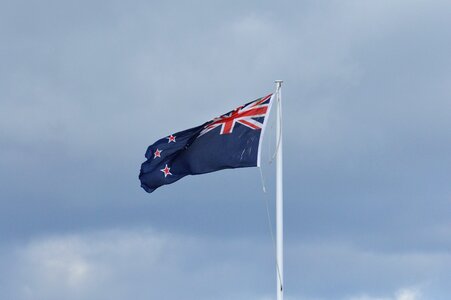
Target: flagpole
column 279, row 194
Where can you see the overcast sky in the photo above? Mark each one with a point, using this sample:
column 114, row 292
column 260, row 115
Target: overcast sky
column 86, row 86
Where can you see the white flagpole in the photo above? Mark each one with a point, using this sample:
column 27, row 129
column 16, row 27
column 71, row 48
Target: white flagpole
column 279, row 194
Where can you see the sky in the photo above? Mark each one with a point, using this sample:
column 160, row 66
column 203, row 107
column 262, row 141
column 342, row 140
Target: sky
column 86, row 86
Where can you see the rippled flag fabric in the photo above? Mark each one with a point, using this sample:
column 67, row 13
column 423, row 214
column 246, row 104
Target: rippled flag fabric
column 232, row 140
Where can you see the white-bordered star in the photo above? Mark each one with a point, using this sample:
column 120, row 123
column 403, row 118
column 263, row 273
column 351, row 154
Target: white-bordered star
column 157, row 153
column 166, row 171
column 171, row 138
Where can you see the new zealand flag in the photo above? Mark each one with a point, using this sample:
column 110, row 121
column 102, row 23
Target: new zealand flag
column 226, row 142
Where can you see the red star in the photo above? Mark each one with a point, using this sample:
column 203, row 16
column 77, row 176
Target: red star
column 171, row 138
column 157, row 153
column 166, row 171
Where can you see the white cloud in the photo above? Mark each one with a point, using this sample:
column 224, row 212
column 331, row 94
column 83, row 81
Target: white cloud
column 136, row 264
column 402, row 294
column 143, row 264
column 77, row 264
column 408, row 294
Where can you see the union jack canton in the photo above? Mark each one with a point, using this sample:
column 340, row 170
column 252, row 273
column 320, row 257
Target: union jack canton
column 229, row 141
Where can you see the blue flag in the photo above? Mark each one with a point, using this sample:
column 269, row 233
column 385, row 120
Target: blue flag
column 226, row 142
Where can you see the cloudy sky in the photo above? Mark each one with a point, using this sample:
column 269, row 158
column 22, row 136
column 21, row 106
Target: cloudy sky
column 86, row 86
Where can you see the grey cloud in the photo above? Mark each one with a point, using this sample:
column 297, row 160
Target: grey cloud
column 85, row 87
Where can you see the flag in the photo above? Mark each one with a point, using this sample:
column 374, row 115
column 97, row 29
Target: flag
column 229, row 141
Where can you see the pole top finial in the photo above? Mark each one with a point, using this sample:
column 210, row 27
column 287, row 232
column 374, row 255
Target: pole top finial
column 278, row 81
